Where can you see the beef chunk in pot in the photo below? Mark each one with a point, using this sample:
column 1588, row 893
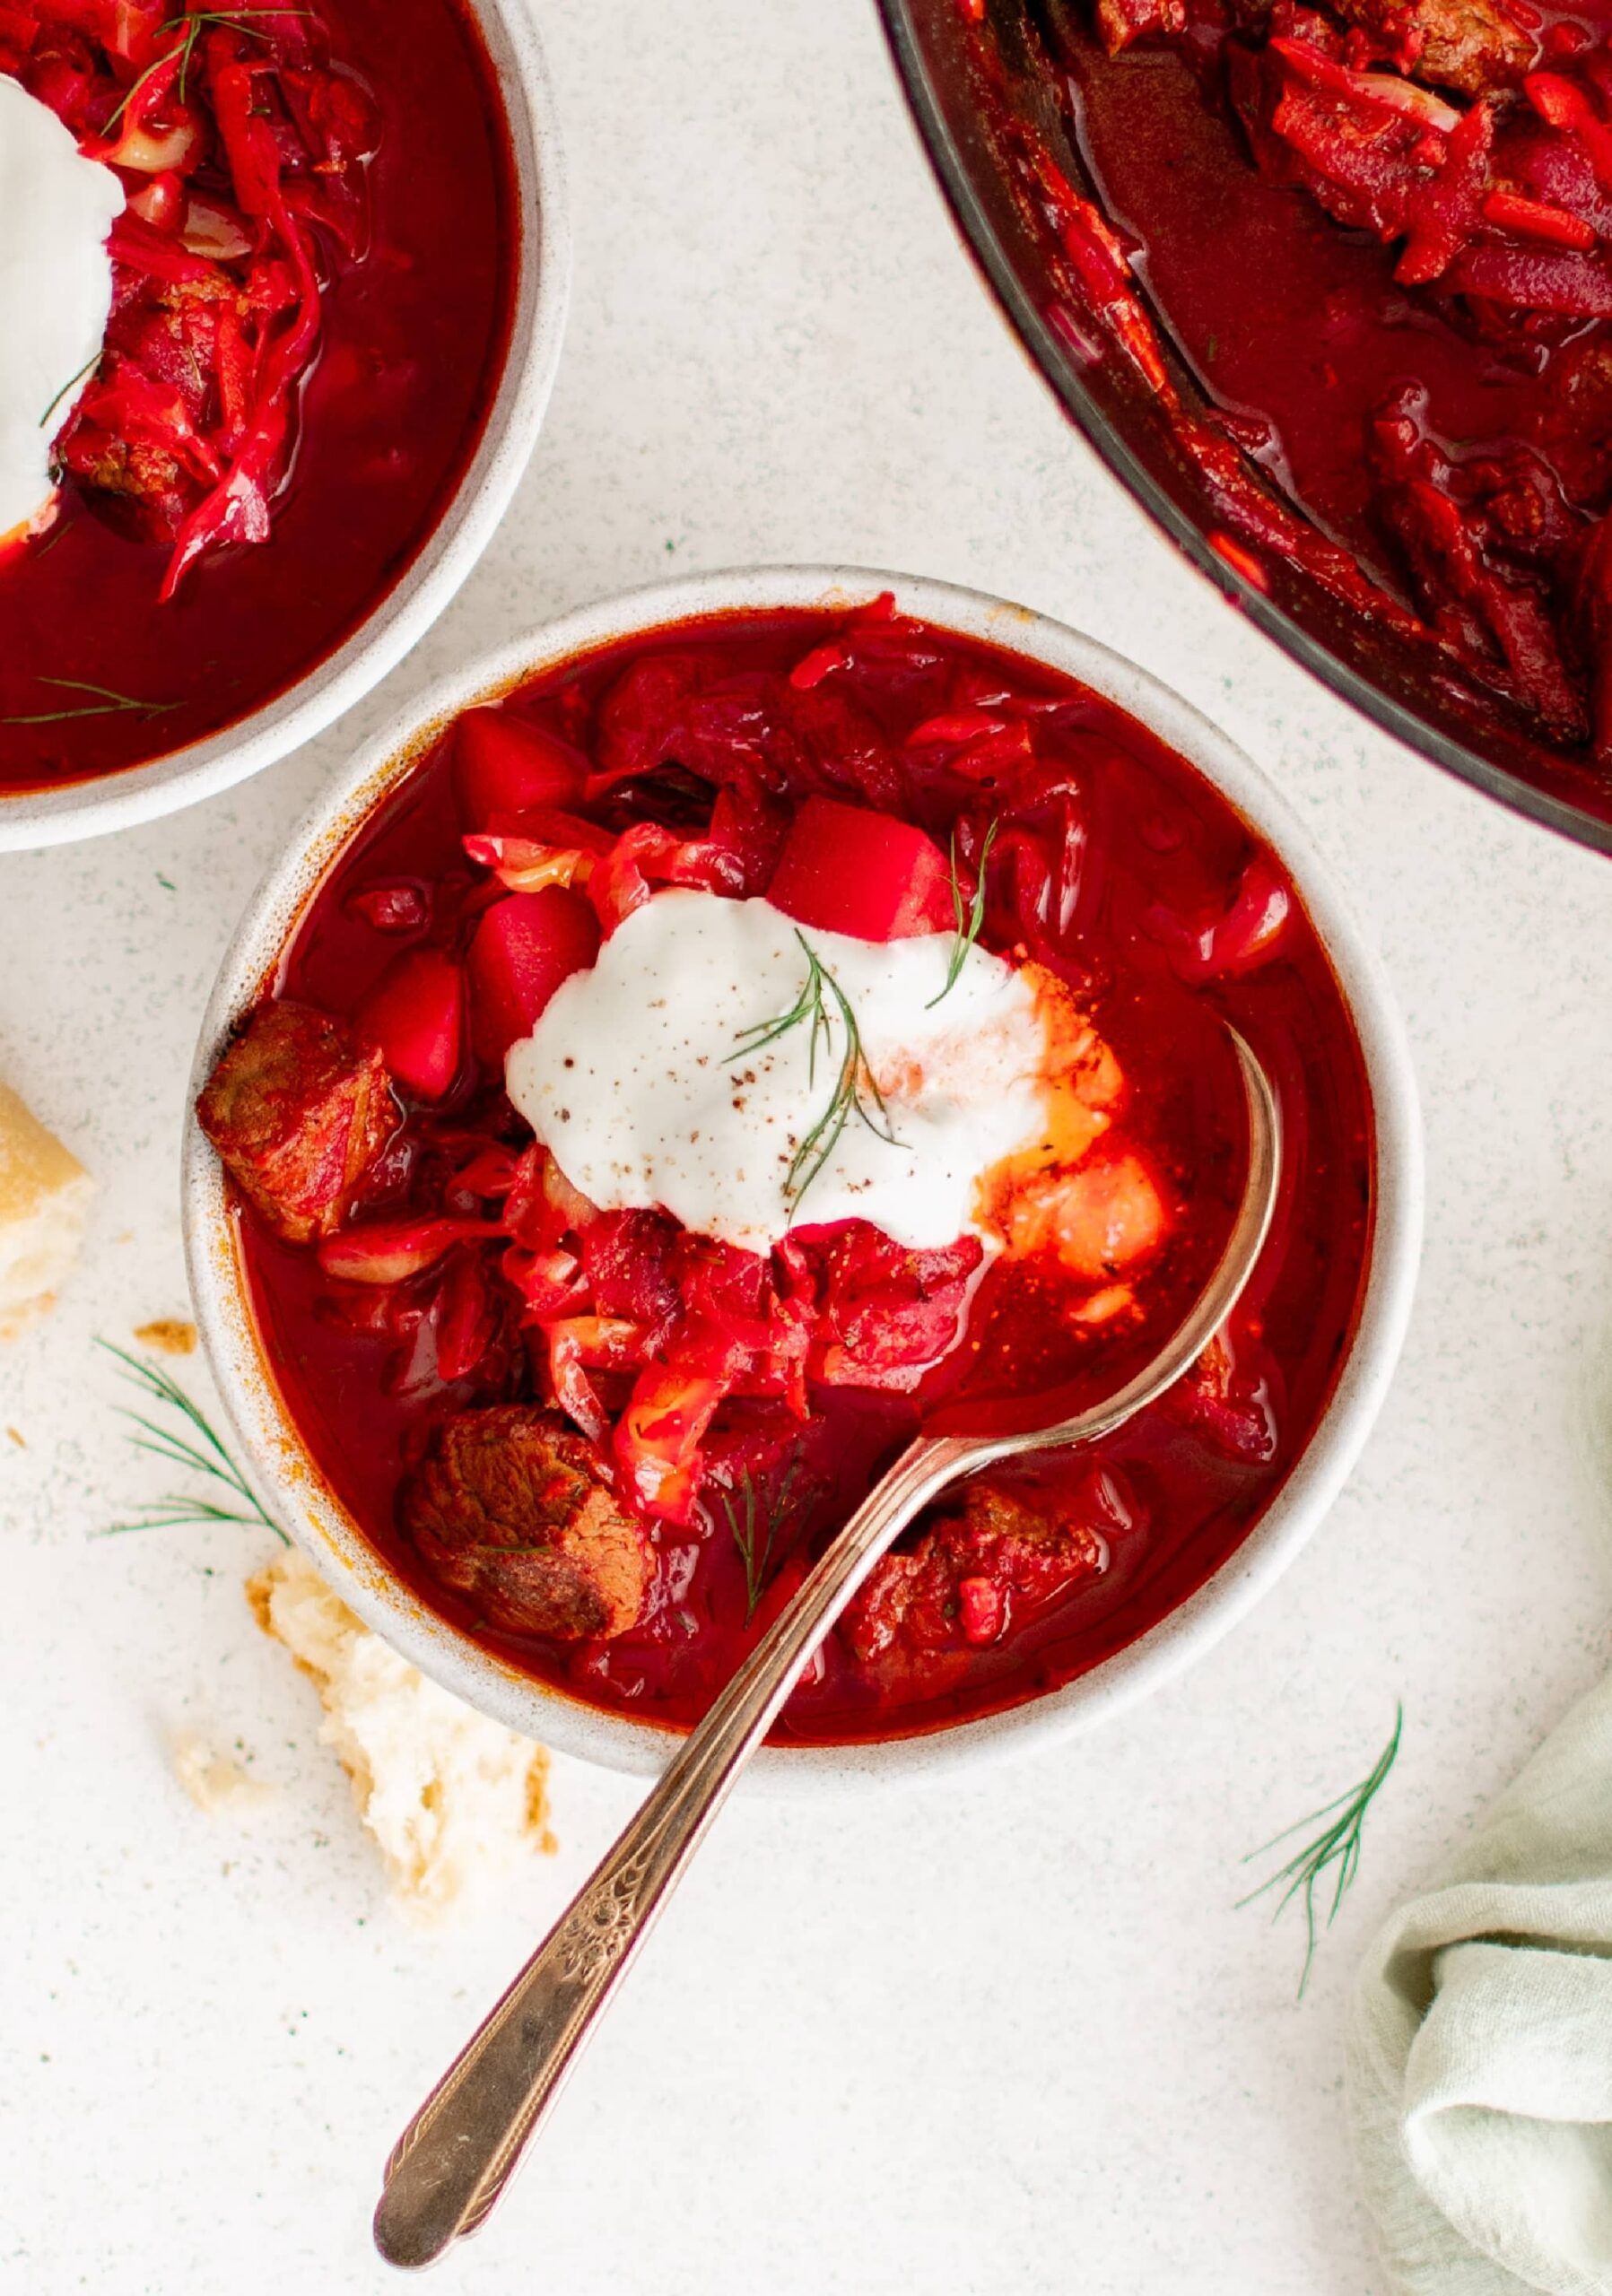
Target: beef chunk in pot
column 510, row 1507
column 1475, row 47
column 1121, row 23
column 298, row 1112
column 961, row 1582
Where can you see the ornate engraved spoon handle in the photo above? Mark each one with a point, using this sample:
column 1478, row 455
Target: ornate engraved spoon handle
column 455, row 2156
column 458, row 2152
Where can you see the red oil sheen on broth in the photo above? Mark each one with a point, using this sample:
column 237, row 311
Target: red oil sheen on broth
column 1282, row 312
column 1159, row 851
column 1378, row 241
column 412, row 342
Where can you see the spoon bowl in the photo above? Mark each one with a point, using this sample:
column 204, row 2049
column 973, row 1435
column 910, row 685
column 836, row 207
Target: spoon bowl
column 454, row 2160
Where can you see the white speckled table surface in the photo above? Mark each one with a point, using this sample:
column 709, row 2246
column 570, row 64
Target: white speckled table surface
column 1009, row 2034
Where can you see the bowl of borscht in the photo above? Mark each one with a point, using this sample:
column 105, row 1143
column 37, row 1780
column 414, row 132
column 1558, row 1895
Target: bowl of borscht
column 738, row 1024
column 281, row 298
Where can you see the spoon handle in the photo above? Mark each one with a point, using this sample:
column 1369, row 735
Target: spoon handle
column 455, row 2156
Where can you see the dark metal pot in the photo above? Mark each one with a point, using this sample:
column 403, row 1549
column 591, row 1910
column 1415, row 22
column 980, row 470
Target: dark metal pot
column 1405, row 687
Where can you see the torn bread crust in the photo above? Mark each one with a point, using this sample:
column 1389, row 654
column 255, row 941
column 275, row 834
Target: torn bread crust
column 452, row 1799
column 44, row 1204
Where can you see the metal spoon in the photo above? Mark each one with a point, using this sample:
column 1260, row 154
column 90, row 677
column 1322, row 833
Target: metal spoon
column 455, row 2156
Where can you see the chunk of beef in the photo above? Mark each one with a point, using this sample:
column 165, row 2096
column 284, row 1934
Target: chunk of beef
column 1380, row 152
column 1122, row 23
column 136, row 441
column 299, row 1113
column 1476, row 47
column 967, row 1575
column 143, row 475
column 1487, row 542
column 511, row 1507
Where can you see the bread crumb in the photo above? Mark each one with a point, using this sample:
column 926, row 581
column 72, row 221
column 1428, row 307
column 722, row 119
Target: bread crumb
column 452, row 1799
column 216, row 1781
column 44, row 1203
column 168, row 1334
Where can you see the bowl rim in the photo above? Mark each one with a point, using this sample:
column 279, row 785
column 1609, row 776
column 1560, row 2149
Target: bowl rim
column 1042, row 347
column 36, row 818
column 291, row 1484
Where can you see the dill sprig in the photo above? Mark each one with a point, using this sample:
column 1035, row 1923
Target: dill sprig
column 1337, row 1844
column 61, row 527
column 821, row 998
column 970, row 916
column 755, row 1523
column 192, row 1443
column 72, row 383
column 189, row 28
column 110, row 704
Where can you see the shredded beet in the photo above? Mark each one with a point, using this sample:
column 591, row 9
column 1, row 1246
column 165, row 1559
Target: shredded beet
column 242, row 142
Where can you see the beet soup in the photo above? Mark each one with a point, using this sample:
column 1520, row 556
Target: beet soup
column 733, row 1047
column 311, row 287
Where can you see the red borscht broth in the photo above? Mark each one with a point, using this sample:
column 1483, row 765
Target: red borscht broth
column 1360, row 258
column 816, row 872
column 312, row 283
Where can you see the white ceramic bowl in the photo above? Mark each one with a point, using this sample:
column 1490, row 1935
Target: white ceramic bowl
column 463, row 531
column 289, row 1482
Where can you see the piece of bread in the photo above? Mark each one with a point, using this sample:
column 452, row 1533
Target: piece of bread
column 452, row 1798
column 44, row 1203
column 216, row 1781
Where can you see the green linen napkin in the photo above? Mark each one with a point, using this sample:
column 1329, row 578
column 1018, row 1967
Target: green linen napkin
column 1480, row 2045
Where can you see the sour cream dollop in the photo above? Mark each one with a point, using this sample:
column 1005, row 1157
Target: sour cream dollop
column 636, row 1078
column 55, row 291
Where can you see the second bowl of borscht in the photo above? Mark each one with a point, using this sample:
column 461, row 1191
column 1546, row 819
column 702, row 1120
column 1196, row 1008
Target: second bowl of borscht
column 281, row 298
column 734, row 1027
